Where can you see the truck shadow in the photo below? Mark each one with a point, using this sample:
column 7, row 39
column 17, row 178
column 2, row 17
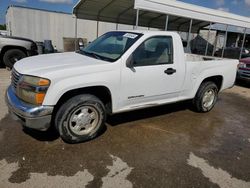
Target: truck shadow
column 2, row 66
column 115, row 120
column 242, row 83
column 49, row 135
column 136, row 115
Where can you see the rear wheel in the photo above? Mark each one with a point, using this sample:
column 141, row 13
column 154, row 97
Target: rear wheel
column 80, row 119
column 11, row 56
column 206, row 97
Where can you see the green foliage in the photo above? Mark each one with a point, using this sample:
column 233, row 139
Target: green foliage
column 3, row 27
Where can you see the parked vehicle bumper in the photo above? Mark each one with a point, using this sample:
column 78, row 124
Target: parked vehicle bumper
column 35, row 117
column 243, row 74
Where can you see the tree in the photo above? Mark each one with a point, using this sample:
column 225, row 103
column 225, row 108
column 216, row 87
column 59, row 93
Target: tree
column 3, row 27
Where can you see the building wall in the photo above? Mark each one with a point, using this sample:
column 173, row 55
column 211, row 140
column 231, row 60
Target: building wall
column 43, row 25
column 40, row 25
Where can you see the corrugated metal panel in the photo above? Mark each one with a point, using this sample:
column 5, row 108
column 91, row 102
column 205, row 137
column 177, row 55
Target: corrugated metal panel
column 153, row 14
column 40, row 25
column 186, row 10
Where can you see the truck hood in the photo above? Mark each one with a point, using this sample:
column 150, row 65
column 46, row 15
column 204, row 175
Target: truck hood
column 16, row 38
column 46, row 65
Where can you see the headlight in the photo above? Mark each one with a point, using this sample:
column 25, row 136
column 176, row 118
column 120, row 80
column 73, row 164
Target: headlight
column 35, row 81
column 241, row 65
column 32, row 89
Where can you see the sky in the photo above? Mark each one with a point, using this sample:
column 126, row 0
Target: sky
column 241, row 7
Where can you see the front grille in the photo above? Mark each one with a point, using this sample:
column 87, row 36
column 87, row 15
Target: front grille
column 15, row 78
column 245, row 74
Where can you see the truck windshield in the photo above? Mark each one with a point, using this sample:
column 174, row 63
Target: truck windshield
column 111, row 46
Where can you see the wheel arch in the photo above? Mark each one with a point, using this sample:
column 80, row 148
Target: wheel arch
column 10, row 47
column 217, row 79
column 101, row 92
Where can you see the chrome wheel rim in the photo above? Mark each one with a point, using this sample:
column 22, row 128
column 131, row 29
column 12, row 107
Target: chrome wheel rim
column 83, row 120
column 208, row 98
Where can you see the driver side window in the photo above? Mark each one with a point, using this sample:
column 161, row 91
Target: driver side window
column 154, row 51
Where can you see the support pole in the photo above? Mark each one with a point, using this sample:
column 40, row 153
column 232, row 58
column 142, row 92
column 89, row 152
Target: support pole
column 215, row 43
column 225, row 43
column 75, row 32
column 237, row 40
column 243, row 42
column 97, row 29
column 208, row 36
column 189, row 34
column 166, row 25
column 117, row 26
column 137, row 18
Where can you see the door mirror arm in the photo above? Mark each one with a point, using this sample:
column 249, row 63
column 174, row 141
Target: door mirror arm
column 130, row 61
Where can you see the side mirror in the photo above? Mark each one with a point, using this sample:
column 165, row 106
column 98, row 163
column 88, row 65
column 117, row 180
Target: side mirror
column 81, row 43
column 130, row 61
column 184, row 43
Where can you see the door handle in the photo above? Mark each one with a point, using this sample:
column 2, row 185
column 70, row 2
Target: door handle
column 170, row 71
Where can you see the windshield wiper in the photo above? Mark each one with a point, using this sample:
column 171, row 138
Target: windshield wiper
column 97, row 56
column 92, row 54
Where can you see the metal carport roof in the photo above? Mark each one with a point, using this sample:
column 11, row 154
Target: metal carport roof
column 162, row 14
column 153, row 14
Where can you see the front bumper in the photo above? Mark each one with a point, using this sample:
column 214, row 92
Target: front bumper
column 243, row 74
column 35, row 117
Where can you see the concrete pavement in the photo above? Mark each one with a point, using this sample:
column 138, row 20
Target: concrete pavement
column 168, row 146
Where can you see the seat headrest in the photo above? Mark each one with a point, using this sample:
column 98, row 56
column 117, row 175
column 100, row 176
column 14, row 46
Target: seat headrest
column 161, row 46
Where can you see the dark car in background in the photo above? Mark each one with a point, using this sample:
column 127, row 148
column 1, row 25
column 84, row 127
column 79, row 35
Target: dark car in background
column 244, row 69
column 233, row 53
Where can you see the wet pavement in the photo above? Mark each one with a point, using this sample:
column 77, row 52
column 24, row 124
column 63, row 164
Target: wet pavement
column 167, row 146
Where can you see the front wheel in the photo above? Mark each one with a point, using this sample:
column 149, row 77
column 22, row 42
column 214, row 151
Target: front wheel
column 12, row 56
column 206, row 97
column 80, row 119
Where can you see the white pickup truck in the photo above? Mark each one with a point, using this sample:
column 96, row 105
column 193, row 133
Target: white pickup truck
column 120, row 71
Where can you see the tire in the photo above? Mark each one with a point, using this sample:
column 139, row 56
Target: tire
column 10, row 57
column 80, row 119
column 206, row 97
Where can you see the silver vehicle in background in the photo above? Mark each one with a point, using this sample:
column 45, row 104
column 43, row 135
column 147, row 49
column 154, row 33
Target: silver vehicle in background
column 13, row 49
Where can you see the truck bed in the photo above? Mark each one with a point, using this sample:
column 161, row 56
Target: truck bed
column 200, row 67
column 194, row 57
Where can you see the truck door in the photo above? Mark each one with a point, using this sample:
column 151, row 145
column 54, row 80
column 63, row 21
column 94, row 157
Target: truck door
column 154, row 77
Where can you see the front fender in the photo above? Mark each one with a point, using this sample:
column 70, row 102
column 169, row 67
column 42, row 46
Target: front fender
column 58, row 88
column 7, row 43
